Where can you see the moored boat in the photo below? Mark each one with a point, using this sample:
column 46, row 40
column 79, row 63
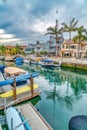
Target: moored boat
column 15, row 120
column 49, row 64
column 9, row 58
column 26, row 61
column 19, row 90
column 2, row 57
column 2, row 67
column 19, row 85
column 19, row 78
column 19, row 59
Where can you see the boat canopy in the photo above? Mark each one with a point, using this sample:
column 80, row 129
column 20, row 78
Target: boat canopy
column 47, row 60
column 18, row 78
column 19, row 59
column 2, row 68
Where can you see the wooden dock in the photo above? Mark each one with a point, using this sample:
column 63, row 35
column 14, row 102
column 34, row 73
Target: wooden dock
column 17, row 98
column 20, row 98
column 36, row 121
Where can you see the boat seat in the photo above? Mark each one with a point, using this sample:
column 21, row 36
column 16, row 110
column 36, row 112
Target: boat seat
column 1, row 90
column 20, row 80
column 5, row 88
column 1, row 77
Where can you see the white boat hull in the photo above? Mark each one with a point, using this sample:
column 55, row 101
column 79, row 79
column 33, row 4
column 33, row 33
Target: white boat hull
column 12, row 114
column 26, row 61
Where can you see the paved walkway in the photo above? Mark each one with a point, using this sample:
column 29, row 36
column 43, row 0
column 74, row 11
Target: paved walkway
column 70, row 60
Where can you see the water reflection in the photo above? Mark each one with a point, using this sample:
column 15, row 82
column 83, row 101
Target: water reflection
column 64, row 94
column 68, row 87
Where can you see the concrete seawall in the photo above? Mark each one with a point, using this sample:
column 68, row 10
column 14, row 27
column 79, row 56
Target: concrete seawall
column 72, row 62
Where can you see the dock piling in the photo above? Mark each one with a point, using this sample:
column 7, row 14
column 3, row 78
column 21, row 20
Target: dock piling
column 15, row 96
column 32, row 85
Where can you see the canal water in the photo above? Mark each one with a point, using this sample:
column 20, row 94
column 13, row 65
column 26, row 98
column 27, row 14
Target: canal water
column 63, row 95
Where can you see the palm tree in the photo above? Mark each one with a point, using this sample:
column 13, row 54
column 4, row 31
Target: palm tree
column 18, row 49
column 13, row 51
column 80, row 37
column 55, row 31
column 2, row 49
column 70, row 28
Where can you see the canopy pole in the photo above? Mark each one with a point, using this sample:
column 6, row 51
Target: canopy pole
column 14, row 90
column 32, row 85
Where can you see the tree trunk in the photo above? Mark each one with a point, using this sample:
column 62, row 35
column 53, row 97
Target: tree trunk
column 56, row 47
column 69, row 43
column 56, row 50
column 79, row 49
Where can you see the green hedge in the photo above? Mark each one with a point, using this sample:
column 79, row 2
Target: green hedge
column 74, row 66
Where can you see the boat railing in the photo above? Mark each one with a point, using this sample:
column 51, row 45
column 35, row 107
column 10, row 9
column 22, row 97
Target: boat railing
column 18, row 78
column 9, row 104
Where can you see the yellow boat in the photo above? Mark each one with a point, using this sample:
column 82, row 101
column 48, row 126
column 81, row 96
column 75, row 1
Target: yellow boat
column 18, row 91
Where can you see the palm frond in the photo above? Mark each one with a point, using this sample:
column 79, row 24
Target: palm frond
column 65, row 25
column 61, row 30
column 50, row 28
column 74, row 24
column 50, row 33
column 75, row 39
column 86, row 32
column 72, row 21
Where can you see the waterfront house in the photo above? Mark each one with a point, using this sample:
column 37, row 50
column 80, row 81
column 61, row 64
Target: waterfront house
column 52, row 43
column 42, row 47
column 38, row 47
column 77, row 50
column 49, row 46
column 30, row 49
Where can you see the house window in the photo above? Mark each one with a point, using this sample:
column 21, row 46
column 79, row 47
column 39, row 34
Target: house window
column 82, row 48
column 73, row 47
column 62, row 46
column 67, row 47
column 75, row 54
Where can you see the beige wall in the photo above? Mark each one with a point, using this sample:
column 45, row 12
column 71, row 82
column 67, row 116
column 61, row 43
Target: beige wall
column 73, row 49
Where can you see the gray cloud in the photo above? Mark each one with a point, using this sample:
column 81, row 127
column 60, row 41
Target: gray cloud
column 30, row 19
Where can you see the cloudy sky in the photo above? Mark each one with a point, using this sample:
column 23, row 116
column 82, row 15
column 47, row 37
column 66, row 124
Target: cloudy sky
column 29, row 19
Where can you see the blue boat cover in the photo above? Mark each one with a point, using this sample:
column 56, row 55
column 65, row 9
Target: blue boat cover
column 35, row 74
column 18, row 79
column 78, row 123
column 2, row 68
column 47, row 61
column 19, row 59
